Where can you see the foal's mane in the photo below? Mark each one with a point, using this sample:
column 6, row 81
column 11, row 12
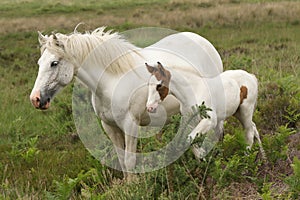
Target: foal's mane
column 105, row 49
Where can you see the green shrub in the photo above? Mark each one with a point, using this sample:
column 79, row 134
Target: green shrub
column 294, row 180
column 276, row 145
column 279, row 103
column 235, row 164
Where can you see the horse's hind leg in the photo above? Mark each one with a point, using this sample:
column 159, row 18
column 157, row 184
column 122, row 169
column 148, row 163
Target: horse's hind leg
column 244, row 115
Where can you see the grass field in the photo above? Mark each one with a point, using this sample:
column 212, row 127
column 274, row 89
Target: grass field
column 42, row 158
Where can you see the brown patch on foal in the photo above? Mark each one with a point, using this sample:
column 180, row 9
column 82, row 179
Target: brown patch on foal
column 243, row 93
column 163, row 91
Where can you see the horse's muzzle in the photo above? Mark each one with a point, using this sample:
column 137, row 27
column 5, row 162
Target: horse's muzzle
column 40, row 101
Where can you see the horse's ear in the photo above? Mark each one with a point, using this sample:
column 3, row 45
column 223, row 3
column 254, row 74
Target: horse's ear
column 151, row 69
column 42, row 39
column 56, row 41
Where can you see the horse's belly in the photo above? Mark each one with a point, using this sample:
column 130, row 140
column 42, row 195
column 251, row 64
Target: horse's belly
column 104, row 111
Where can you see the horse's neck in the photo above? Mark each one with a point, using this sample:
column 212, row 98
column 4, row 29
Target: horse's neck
column 104, row 84
column 89, row 75
column 108, row 61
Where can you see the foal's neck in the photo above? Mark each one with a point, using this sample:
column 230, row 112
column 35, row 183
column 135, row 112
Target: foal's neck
column 181, row 88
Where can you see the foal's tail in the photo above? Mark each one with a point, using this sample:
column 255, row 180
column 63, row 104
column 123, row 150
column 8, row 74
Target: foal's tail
column 256, row 91
column 261, row 148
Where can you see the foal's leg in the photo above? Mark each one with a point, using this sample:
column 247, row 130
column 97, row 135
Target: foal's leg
column 244, row 115
column 205, row 125
column 211, row 139
column 219, row 130
column 116, row 135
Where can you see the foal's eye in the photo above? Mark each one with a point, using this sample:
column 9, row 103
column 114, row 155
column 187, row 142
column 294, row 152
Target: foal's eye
column 158, row 86
column 54, row 63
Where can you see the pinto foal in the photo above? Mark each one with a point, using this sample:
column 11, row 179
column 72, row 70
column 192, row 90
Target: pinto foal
column 233, row 92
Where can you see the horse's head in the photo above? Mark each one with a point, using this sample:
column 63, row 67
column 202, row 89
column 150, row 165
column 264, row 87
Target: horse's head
column 55, row 71
column 158, row 86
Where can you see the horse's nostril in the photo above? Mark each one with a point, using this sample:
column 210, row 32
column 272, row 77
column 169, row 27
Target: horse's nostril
column 35, row 99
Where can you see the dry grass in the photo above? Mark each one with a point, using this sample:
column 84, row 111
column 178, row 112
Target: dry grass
column 231, row 14
column 50, row 22
column 172, row 14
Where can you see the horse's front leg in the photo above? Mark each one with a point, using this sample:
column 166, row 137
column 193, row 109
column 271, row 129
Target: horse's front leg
column 130, row 155
column 131, row 136
column 116, row 135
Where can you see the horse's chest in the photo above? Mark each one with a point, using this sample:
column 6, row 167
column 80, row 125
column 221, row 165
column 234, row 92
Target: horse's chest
column 106, row 110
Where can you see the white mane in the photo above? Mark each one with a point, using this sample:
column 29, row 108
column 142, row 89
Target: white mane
column 105, row 49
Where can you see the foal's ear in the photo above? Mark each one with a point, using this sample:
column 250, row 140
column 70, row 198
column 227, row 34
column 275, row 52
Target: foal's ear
column 42, row 39
column 161, row 68
column 165, row 75
column 151, row 69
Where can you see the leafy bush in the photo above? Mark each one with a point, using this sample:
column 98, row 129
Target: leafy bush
column 294, row 180
column 279, row 103
column 25, row 148
column 234, row 164
column 276, row 145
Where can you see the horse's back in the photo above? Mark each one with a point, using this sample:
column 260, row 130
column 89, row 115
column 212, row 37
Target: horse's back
column 240, row 76
column 194, row 49
column 243, row 79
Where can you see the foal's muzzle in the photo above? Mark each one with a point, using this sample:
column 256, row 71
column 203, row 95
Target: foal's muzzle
column 151, row 109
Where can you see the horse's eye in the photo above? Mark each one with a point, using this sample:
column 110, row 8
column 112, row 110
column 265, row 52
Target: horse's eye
column 54, row 63
column 158, row 86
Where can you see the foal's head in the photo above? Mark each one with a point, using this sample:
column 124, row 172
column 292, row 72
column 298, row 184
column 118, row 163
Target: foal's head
column 158, row 86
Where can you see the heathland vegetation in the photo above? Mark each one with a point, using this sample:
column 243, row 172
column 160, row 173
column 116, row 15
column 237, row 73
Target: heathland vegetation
column 41, row 156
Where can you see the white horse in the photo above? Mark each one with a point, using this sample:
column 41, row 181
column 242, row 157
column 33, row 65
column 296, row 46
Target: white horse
column 113, row 70
column 233, row 92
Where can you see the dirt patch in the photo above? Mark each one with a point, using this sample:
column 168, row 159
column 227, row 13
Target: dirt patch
column 226, row 53
column 294, row 146
column 235, row 190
